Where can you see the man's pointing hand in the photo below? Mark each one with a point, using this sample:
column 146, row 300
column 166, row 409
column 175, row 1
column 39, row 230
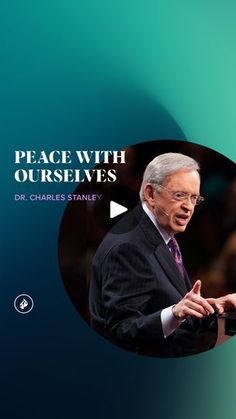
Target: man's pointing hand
column 193, row 304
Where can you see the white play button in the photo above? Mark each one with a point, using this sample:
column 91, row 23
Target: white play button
column 116, row 209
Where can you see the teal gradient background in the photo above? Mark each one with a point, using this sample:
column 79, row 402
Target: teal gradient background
column 99, row 75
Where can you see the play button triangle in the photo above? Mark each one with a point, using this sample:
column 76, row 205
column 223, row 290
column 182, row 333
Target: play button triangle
column 116, row 209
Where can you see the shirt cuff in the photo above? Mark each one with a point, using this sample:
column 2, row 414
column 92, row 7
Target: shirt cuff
column 169, row 322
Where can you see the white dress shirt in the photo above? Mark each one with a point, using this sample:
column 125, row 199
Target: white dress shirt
column 168, row 321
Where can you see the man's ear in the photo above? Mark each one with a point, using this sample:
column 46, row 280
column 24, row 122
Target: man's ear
column 149, row 194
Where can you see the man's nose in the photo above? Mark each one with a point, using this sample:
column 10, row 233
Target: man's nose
column 187, row 204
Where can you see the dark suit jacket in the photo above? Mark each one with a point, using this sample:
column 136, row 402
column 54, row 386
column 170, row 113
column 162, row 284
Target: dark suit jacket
column 134, row 276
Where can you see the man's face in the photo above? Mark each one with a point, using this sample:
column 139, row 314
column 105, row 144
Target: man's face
column 174, row 215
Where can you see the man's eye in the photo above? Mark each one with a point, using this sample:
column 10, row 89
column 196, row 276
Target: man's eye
column 180, row 195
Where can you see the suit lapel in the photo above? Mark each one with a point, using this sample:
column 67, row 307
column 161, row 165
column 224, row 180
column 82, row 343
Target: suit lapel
column 162, row 252
column 168, row 264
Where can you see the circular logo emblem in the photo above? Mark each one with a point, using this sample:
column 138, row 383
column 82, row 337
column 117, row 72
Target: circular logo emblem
column 23, row 303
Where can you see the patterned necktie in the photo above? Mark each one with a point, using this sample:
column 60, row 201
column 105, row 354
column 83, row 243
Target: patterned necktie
column 175, row 250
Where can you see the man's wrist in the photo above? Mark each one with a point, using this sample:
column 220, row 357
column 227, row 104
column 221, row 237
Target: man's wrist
column 176, row 316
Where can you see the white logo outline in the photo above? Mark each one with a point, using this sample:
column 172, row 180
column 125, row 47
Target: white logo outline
column 21, row 311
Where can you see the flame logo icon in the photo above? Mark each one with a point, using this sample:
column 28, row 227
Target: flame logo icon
column 23, row 304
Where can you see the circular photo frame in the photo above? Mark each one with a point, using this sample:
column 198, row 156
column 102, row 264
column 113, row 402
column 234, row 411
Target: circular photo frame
column 112, row 280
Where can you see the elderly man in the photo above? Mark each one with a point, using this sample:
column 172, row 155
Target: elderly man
column 140, row 295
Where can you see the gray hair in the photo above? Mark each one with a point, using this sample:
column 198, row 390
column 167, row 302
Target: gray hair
column 165, row 165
